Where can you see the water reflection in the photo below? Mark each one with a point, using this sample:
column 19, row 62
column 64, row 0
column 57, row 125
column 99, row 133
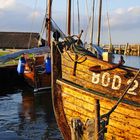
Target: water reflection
column 29, row 116
column 28, row 107
column 37, row 118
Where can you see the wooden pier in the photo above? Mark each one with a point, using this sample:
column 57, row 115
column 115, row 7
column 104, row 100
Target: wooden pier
column 124, row 49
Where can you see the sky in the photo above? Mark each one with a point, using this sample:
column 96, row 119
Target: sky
column 28, row 15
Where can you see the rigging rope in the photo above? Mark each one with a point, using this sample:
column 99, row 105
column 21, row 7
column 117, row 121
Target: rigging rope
column 35, row 7
column 57, row 28
column 75, row 46
column 89, row 18
column 87, row 9
column 78, row 16
column 109, row 33
column 73, row 17
column 42, row 29
column 92, row 22
column 43, row 25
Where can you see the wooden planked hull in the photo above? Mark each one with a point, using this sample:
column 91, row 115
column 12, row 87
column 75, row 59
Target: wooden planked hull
column 79, row 103
column 112, row 82
column 35, row 76
column 77, row 88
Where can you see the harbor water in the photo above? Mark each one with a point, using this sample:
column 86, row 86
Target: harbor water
column 25, row 115
column 132, row 61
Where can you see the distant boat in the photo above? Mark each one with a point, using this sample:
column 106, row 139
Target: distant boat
column 36, row 74
column 38, row 70
column 93, row 98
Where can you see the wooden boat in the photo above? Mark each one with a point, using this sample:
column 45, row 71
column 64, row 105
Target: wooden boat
column 35, row 74
column 92, row 98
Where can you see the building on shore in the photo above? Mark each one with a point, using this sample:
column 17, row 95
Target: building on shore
column 18, row 40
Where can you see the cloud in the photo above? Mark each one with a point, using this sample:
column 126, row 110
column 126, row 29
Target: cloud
column 15, row 16
column 124, row 25
column 34, row 14
column 124, row 19
column 6, row 3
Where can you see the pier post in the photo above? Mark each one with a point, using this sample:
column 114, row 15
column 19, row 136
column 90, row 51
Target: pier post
column 126, row 48
column 138, row 50
column 119, row 50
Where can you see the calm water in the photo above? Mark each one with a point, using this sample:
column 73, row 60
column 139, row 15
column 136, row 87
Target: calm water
column 27, row 116
column 132, row 61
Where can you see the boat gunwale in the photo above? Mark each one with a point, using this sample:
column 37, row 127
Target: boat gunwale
column 89, row 57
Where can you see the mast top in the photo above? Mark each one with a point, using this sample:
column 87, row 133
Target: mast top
column 69, row 18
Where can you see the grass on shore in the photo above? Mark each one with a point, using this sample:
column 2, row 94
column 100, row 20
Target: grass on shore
column 4, row 53
column 13, row 61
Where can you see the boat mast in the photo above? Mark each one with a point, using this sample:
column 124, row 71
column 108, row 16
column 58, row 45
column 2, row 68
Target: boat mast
column 69, row 18
column 97, row 102
column 99, row 23
column 48, row 29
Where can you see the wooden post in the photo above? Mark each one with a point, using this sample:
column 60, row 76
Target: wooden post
column 49, row 24
column 97, row 119
column 69, row 18
column 119, row 50
column 126, row 48
column 138, row 50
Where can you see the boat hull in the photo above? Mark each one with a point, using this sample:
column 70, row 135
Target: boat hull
column 35, row 76
column 124, row 122
column 77, row 88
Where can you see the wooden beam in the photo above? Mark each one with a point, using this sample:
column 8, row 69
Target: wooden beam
column 69, row 18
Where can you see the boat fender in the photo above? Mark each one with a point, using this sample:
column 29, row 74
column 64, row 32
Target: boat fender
column 21, row 65
column 48, row 65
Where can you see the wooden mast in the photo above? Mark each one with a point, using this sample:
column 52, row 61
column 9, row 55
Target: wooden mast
column 97, row 102
column 69, row 18
column 49, row 23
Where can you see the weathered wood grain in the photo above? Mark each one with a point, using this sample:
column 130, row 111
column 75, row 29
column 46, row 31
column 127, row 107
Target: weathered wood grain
column 124, row 121
column 77, row 88
column 84, row 78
